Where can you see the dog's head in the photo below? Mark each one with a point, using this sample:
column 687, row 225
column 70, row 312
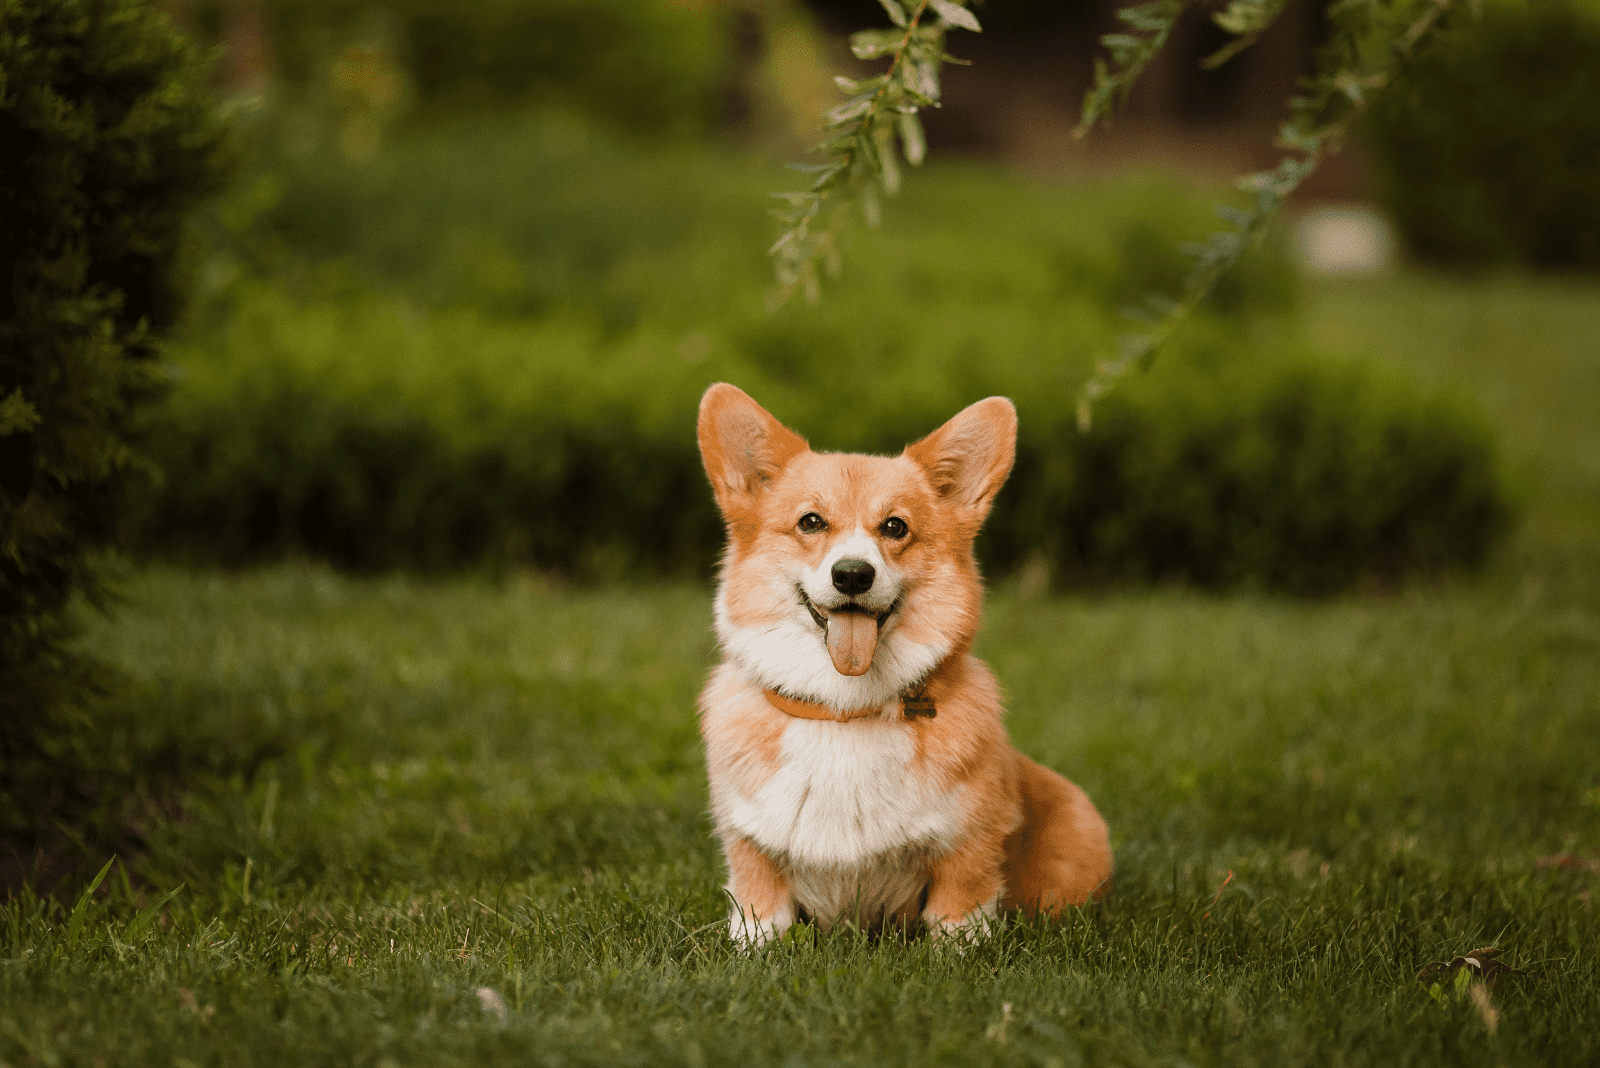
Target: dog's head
column 848, row 578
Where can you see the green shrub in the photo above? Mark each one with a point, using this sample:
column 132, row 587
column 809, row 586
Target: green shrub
column 108, row 140
column 371, row 436
column 654, row 68
column 1489, row 147
column 376, row 436
column 648, row 66
column 451, row 371
column 1272, row 470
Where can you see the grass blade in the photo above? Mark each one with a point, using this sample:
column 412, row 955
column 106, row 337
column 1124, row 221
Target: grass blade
column 80, row 911
column 137, row 925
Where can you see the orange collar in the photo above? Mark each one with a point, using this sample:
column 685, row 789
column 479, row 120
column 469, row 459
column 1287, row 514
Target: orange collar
column 914, row 702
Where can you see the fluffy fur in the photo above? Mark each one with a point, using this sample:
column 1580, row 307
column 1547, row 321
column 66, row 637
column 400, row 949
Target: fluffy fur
column 874, row 816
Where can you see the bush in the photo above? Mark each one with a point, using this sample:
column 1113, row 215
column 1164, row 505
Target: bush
column 654, row 68
column 373, row 437
column 1275, row 471
column 451, row 372
column 108, row 140
column 648, row 66
column 376, row 437
column 1489, row 147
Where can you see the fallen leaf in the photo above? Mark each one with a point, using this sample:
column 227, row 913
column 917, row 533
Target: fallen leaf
column 492, row 1002
column 1484, row 964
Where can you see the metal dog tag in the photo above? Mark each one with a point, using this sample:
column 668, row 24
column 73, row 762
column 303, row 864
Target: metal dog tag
column 918, row 703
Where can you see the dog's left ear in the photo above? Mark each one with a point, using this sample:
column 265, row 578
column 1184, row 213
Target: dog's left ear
column 968, row 458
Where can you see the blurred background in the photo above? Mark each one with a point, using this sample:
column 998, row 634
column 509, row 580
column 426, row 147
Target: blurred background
column 480, row 260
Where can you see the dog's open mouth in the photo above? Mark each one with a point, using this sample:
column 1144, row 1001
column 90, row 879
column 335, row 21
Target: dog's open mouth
column 851, row 631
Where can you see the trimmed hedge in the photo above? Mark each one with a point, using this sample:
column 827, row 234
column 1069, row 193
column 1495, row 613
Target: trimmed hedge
column 1277, row 471
column 108, row 139
column 1488, row 148
column 375, row 437
column 446, row 371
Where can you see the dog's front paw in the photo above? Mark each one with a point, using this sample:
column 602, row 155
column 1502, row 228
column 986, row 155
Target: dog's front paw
column 750, row 932
column 966, row 928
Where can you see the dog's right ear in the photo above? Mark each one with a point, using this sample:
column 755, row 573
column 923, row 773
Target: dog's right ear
column 742, row 446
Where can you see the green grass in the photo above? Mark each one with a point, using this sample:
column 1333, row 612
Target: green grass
column 382, row 796
column 456, row 786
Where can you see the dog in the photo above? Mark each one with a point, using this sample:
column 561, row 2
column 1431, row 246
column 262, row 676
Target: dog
column 859, row 769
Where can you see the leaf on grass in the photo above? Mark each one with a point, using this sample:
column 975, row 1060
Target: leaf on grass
column 1484, row 964
column 187, row 999
column 492, row 1002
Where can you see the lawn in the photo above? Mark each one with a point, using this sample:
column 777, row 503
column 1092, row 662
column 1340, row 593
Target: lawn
column 461, row 821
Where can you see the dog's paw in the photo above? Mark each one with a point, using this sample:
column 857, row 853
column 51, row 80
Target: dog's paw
column 965, row 929
column 749, row 933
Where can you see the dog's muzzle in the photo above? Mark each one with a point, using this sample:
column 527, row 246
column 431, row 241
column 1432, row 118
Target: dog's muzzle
column 851, row 633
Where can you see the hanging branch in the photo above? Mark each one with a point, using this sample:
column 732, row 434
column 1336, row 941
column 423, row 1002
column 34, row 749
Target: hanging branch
column 1371, row 44
column 1247, row 20
column 1372, row 41
column 1130, row 54
column 861, row 136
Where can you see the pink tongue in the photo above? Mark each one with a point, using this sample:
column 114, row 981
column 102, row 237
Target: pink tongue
column 852, row 638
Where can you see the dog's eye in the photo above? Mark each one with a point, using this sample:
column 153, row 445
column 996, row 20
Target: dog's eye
column 893, row 527
column 811, row 522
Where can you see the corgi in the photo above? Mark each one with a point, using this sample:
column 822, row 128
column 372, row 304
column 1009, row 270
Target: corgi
column 858, row 765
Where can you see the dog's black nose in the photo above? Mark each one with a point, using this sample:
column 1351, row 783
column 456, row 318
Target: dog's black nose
column 851, row 577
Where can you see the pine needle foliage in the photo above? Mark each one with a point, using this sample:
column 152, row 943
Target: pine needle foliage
column 108, row 139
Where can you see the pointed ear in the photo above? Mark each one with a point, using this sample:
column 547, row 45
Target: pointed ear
column 742, row 445
column 968, row 458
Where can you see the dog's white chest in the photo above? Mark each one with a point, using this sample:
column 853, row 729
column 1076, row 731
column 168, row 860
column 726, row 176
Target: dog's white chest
column 848, row 815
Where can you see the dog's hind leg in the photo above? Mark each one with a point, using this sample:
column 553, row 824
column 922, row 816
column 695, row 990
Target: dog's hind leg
column 964, row 888
column 1061, row 855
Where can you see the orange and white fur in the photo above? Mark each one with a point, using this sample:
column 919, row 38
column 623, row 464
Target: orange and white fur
column 859, row 767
